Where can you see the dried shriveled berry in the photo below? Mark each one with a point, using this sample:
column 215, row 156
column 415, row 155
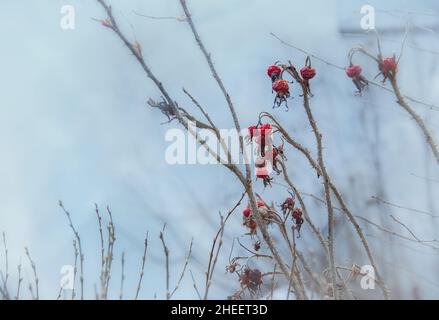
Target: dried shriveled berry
column 281, row 87
column 251, row 278
column 307, row 73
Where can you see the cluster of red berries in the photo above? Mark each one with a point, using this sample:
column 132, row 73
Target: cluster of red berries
column 282, row 87
column 288, row 207
column 279, row 85
column 387, row 66
column 248, row 218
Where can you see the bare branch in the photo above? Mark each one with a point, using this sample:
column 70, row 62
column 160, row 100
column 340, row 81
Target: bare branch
column 142, row 269
column 34, row 270
column 78, row 240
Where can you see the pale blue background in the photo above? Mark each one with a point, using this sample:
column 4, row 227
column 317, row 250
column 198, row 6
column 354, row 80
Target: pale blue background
column 74, row 126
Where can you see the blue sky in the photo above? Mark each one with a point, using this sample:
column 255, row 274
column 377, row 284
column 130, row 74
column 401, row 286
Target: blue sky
column 74, row 125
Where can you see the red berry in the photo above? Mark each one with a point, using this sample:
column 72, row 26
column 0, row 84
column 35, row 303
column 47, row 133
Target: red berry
column 297, row 213
column 273, row 71
column 281, row 86
column 389, row 65
column 307, row 73
column 260, row 204
column 354, row 71
column 247, row 212
column 289, row 201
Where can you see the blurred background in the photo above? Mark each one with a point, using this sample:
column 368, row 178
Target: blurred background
column 75, row 126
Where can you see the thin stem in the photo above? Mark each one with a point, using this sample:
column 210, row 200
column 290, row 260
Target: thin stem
column 142, row 269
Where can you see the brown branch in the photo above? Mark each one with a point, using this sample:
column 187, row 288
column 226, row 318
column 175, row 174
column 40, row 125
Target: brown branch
column 297, row 193
column 318, row 138
column 337, row 194
column 246, row 181
column 402, row 100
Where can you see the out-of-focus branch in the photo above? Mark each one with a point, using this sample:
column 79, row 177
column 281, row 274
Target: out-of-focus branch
column 142, row 269
column 184, row 269
column 166, row 253
column 78, row 240
column 219, row 234
column 34, row 270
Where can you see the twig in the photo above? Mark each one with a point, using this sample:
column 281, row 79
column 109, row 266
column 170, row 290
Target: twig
column 297, row 193
column 111, row 24
column 122, row 276
column 405, row 227
column 337, row 194
column 401, row 99
column 142, row 269
column 78, row 240
column 424, row 243
column 6, row 274
column 404, row 208
column 166, row 252
column 179, row 19
column 212, row 261
column 318, row 138
column 101, row 237
column 272, row 283
column 34, row 270
column 20, row 280
column 183, row 271
column 195, row 285
column 108, row 256
column 75, row 267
